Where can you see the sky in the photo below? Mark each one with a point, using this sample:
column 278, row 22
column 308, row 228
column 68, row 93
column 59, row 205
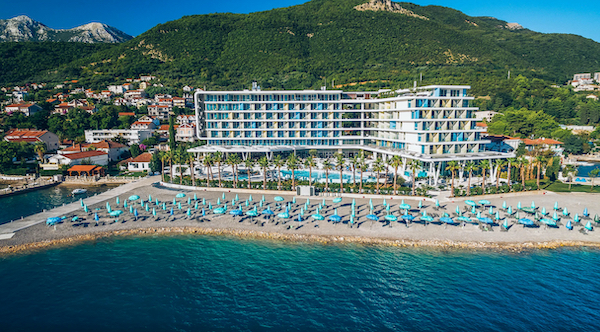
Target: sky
column 136, row 16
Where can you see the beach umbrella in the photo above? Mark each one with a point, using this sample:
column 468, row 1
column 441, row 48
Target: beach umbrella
column 81, row 202
column 149, row 198
column 596, row 218
column 308, row 201
column 85, row 208
column 268, row 212
column 427, row 218
column 491, row 210
column 371, row 203
column 526, row 222
column 548, row 222
column 447, row 220
column 470, row 202
column 299, row 218
column 252, row 214
column 585, row 212
column 249, row 197
column 351, row 219
column 565, row 211
column 317, row 216
column 497, row 215
column 203, row 212
column 504, row 205
column 407, row 217
column 544, row 210
column 147, row 207
column 154, row 212
column 555, row 216
column 555, row 205
column 353, row 202
column 96, row 217
column 53, row 221
column 164, row 205
column 141, row 201
column 134, row 197
column 532, row 204
column 260, row 204
column 179, row 205
column 124, row 203
column 135, row 213
column 335, row 218
column 294, row 200
column 569, row 226
column 576, row 218
column 391, row 217
column 510, row 211
column 337, row 200
column 302, row 212
column 588, row 226
column 505, row 224
column 473, row 211
column 223, row 196
column 519, row 205
column 196, row 197
column 131, row 209
column 457, row 210
column 384, row 202
column 404, row 206
column 218, row 201
column 387, row 208
column 464, row 219
column 437, row 203
column 203, row 201
column 171, row 211
column 372, row 217
column 189, row 212
column 324, row 203
column 278, row 199
column 478, row 214
column 219, row 210
column 484, row 202
column 486, row 220
column 420, row 204
column 196, row 206
column 116, row 213
column 174, row 201
column 189, row 201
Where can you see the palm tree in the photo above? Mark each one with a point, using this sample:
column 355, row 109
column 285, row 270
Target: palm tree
column 470, row 167
column 593, row 174
column 180, row 157
column 218, row 158
column 292, row 164
column 413, row 165
column 511, row 161
column 362, row 166
column 499, row 165
column 170, row 157
column 571, row 171
column 524, row 164
column 452, row 166
column 264, row 164
column 378, row 167
column 208, row 162
column 163, row 157
column 353, row 164
column 233, row 163
column 396, row 162
column 484, row 165
column 539, row 160
column 40, row 149
column 278, row 162
column 249, row 164
column 340, row 163
column 327, row 167
column 310, row 163
column 192, row 159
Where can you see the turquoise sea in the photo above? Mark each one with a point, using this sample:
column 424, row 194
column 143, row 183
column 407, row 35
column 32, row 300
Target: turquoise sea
column 206, row 283
column 14, row 207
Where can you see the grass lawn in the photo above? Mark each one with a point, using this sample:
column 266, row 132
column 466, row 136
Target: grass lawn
column 564, row 188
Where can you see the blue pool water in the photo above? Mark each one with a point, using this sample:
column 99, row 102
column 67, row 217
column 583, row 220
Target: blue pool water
column 204, row 283
column 583, row 171
column 333, row 175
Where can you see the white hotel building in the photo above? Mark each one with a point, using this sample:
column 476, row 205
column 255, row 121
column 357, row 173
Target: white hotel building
column 432, row 124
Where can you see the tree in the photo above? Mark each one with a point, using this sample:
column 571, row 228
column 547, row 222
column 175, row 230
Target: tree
column 524, row 163
column 354, row 167
column 413, row 165
column 278, row 162
column 264, row 164
column 233, row 163
column 181, row 158
column 484, row 165
column 571, row 171
column 511, row 161
column 249, row 164
column 163, row 157
column 218, row 158
column 499, row 165
column 208, row 162
column 593, row 174
column 134, row 150
column 396, row 163
column 378, row 167
column 155, row 163
column 340, row 163
column 452, row 166
column 470, row 167
column 40, row 148
column 292, row 164
column 172, row 142
column 539, row 161
column 362, row 166
column 170, row 156
column 327, row 167
column 191, row 158
column 310, row 163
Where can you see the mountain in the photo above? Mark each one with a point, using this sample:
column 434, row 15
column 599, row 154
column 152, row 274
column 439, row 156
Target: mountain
column 354, row 43
column 22, row 28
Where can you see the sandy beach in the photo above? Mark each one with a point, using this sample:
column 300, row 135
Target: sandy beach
column 364, row 230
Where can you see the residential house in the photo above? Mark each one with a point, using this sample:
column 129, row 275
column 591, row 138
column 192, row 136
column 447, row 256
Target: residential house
column 33, row 136
column 143, row 125
column 185, row 119
column 164, row 129
column 186, row 133
column 114, row 149
column 544, row 144
column 25, row 108
column 140, row 163
column 131, row 136
column 160, row 111
column 62, row 108
column 89, row 109
column 178, row 102
column 146, row 78
column 485, row 115
column 134, row 94
column 126, row 114
column 87, row 157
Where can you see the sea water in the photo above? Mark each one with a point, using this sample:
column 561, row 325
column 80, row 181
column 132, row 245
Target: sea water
column 16, row 206
column 209, row 283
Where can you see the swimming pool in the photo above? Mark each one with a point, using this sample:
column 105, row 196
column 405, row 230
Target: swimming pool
column 333, row 175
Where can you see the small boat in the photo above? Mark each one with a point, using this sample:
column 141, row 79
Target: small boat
column 79, row 191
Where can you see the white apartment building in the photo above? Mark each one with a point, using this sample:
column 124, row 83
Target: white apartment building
column 432, row 124
column 132, row 136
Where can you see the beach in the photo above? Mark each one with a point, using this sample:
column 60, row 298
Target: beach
column 364, row 230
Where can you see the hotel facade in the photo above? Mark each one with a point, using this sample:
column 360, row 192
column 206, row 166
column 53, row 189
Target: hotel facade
column 432, row 124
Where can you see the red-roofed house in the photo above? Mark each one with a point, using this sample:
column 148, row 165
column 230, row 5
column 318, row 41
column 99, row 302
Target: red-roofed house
column 185, row 119
column 544, row 144
column 160, row 111
column 90, row 157
column 186, row 133
column 143, row 125
column 178, row 102
column 89, row 109
column 33, row 136
column 114, row 149
column 75, row 148
column 126, row 114
column 25, row 108
column 62, row 108
column 140, row 163
column 164, row 129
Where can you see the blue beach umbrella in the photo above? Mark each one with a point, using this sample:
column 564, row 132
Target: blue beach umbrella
column 532, row 204
column 427, row 218
column 203, row 201
column 457, row 210
column 180, row 195
column 179, row 205
column 555, row 216
column 585, row 212
column 478, row 214
column 473, row 210
column 565, row 211
column 278, row 199
column 526, row 222
column 131, row 209
column 147, row 207
column 404, row 206
column 171, row 211
column 124, row 203
column 491, row 210
column 447, row 220
column 486, row 220
column 196, row 206
column 463, row 219
column 555, row 205
column 174, row 201
column 505, row 224
column 372, row 217
column 141, row 201
column 588, row 226
column 548, row 222
column 149, row 198
column 337, row 200
column 249, row 197
column 576, row 218
column 209, row 206
column 189, row 201
column 544, row 210
column 223, row 196
column 219, row 210
column 420, row 204
column 471, row 203
column 519, row 205
column 116, row 213
column 484, row 202
column 135, row 213
column 134, row 197
column 283, row 215
column 437, row 203
column 195, row 197
column 117, row 200
column 81, row 202
column 497, row 217
column 335, row 218
column 268, row 212
column 510, row 211
column 317, row 216
column 189, row 212
column 154, row 212
column 53, row 221
column 294, row 200
column 203, row 212
column 407, row 217
column 96, row 218
column 85, row 208
column 218, row 201
column 384, row 202
column 569, row 226
column 504, row 205
column 164, row 205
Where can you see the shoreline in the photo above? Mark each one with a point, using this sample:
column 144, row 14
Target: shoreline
column 275, row 236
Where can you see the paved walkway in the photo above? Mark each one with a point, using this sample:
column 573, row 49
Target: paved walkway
column 7, row 229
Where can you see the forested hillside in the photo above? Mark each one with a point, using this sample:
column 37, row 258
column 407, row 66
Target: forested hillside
column 301, row 46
